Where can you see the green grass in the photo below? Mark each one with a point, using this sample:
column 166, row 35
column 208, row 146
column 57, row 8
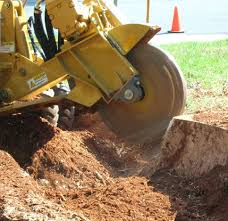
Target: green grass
column 205, row 67
column 204, row 63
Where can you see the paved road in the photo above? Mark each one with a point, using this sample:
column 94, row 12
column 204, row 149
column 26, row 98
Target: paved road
column 198, row 16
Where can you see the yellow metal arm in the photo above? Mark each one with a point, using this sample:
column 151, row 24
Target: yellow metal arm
column 93, row 53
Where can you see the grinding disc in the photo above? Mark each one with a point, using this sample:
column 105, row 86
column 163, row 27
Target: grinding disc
column 165, row 95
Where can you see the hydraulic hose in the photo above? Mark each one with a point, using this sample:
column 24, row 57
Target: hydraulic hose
column 51, row 35
column 46, row 38
column 40, row 33
column 34, row 45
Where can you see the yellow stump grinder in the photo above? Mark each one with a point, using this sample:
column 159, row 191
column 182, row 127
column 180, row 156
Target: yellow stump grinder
column 139, row 87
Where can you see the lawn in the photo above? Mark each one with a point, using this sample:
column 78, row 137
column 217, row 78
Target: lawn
column 205, row 67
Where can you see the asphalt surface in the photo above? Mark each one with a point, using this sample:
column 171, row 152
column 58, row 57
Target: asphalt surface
column 197, row 17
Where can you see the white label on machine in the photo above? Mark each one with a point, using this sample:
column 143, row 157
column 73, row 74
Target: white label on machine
column 37, row 81
column 7, row 47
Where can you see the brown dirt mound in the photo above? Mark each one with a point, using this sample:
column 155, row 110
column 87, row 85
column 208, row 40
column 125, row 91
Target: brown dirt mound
column 23, row 135
column 67, row 166
column 122, row 199
column 92, row 171
column 65, row 157
column 22, row 199
column 202, row 198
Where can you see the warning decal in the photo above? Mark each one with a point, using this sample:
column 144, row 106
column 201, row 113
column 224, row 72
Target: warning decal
column 7, row 47
column 37, row 81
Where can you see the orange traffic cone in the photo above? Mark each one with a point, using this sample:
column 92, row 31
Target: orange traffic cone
column 176, row 26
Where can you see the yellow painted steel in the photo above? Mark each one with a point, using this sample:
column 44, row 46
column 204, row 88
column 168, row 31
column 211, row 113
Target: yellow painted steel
column 24, row 106
column 73, row 20
column 22, row 45
column 95, row 59
column 8, row 27
column 78, row 62
column 25, row 79
column 95, row 45
column 127, row 36
column 85, row 94
column 6, row 68
column 112, row 14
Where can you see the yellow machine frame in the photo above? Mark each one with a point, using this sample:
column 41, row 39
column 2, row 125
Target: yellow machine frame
column 92, row 39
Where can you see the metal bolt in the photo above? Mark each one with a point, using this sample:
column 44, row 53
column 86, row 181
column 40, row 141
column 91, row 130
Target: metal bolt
column 22, row 71
column 51, row 17
column 128, row 94
column 137, row 83
column 7, row 5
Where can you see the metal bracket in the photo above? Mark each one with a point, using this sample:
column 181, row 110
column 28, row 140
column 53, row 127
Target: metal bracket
column 131, row 92
column 0, row 29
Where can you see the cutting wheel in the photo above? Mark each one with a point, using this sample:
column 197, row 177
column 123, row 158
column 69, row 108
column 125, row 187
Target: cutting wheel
column 165, row 95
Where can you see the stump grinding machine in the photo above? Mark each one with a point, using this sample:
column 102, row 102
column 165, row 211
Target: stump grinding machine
column 139, row 87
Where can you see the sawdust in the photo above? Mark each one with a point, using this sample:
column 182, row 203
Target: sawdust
column 90, row 174
column 218, row 118
column 21, row 198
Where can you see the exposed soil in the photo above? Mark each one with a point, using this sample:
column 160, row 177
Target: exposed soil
column 90, row 174
column 215, row 118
